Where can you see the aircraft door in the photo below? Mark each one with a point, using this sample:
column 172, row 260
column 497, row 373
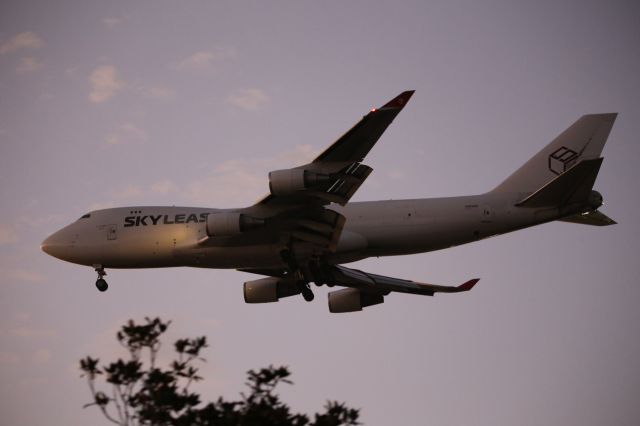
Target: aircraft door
column 112, row 232
column 487, row 214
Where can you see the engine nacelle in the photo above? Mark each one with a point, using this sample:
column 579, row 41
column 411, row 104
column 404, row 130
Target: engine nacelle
column 267, row 290
column 289, row 181
column 352, row 300
column 226, row 224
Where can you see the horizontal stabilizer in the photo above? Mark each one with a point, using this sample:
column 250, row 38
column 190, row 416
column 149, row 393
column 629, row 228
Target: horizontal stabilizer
column 574, row 185
column 594, row 218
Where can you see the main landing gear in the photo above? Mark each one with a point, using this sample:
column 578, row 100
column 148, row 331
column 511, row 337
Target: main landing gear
column 303, row 285
column 101, row 284
column 307, row 294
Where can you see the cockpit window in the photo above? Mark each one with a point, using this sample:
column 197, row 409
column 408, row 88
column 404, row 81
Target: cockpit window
column 85, row 216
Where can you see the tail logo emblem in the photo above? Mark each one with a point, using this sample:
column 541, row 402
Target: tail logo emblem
column 562, row 160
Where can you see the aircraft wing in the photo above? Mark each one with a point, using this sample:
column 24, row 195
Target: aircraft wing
column 372, row 283
column 295, row 215
column 358, row 141
column 336, row 174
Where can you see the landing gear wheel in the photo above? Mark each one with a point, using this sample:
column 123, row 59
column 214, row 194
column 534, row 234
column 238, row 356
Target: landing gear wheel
column 307, row 294
column 305, row 290
column 316, row 273
column 102, row 285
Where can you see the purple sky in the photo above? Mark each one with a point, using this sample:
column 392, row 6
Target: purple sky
column 193, row 103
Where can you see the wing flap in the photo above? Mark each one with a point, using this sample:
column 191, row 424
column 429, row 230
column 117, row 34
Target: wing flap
column 318, row 226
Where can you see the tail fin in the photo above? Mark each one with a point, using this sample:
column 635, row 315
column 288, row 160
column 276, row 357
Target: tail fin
column 570, row 187
column 584, row 140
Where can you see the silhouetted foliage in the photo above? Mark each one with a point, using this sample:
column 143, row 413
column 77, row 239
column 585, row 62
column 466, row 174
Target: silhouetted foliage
column 142, row 393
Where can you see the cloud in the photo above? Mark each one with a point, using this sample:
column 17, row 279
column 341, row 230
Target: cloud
column 32, row 333
column 100, row 206
column 160, row 92
column 117, row 197
column 22, row 316
column 41, row 357
column 9, row 358
column 205, row 59
column 39, row 220
column 247, row 177
column 7, row 234
column 104, row 83
column 32, row 383
column 216, row 188
column 248, row 99
column 198, row 61
column 28, row 64
column 396, row 175
column 113, row 21
column 17, row 333
column 23, row 275
column 129, row 191
column 234, row 182
column 153, row 92
column 24, row 40
column 164, row 187
column 125, row 133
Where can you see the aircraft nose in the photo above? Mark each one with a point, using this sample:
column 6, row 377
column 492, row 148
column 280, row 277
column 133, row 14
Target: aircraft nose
column 49, row 244
column 56, row 244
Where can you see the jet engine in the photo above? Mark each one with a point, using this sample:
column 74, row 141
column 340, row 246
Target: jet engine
column 352, row 300
column 269, row 289
column 226, row 224
column 289, row 181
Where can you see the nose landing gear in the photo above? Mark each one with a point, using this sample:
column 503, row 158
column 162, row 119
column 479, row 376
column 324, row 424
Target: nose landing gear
column 101, row 284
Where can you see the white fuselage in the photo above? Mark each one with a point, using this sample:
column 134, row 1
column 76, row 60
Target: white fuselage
column 147, row 237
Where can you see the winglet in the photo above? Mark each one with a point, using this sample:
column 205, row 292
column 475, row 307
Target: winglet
column 468, row 285
column 399, row 101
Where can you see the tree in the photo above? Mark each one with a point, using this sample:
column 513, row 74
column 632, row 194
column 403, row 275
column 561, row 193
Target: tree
column 143, row 393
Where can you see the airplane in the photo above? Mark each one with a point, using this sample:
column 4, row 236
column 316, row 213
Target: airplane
column 305, row 229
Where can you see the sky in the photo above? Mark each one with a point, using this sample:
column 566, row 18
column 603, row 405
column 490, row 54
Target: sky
column 192, row 103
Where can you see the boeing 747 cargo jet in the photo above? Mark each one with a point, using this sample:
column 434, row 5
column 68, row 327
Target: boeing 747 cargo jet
column 305, row 229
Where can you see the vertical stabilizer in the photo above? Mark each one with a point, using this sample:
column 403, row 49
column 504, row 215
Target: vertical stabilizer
column 584, row 140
